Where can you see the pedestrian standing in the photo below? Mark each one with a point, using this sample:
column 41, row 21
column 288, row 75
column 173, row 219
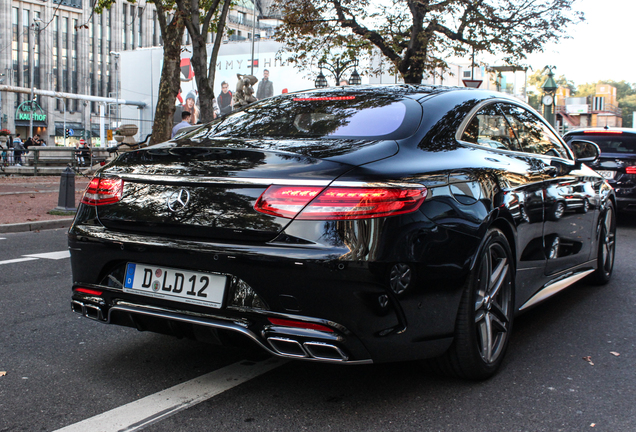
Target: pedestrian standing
column 225, row 99
column 10, row 150
column 265, row 87
column 3, row 147
column 18, row 148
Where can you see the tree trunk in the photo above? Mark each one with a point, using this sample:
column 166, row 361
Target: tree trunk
column 172, row 35
column 413, row 75
column 200, row 67
column 203, row 74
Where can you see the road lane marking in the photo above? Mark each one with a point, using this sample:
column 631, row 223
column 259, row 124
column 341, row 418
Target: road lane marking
column 31, row 257
column 156, row 407
column 17, row 260
column 51, row 255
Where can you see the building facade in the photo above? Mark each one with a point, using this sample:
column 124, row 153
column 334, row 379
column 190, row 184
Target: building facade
column 600, row 110
column 64, row 46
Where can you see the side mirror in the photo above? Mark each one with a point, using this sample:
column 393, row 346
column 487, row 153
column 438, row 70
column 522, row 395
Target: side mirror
column 585, row 151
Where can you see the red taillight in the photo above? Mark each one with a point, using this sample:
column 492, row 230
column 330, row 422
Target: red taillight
column 285, row 201
column 89, row 291
column 339, row 203
column 630, row 170
column 102, row 191
column 299, row 324
column 603, row 132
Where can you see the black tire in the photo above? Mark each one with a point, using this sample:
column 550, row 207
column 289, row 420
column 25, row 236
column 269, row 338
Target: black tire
column 606, row 246
column 484, row 319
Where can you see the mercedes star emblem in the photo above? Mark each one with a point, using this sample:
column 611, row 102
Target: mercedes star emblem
column 178, row 200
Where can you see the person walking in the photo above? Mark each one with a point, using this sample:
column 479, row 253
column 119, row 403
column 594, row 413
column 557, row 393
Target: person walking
column 18, row 148
column 265, row 87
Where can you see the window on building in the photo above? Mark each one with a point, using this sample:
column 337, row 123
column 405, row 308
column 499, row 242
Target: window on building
column 154, row 28
column 108, row 57
column 131, row 27
column 108, row 33
column 55, row 84
column 36, row 55
column 241, row 18
column 140, row 13
column 65, row 58
column 91, row 60
column 74, row 85
column 15, row 13
column 25, row 48
column 125, row 29
column 467, row 74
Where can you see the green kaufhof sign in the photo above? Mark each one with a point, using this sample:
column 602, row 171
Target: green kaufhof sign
column 28, row 109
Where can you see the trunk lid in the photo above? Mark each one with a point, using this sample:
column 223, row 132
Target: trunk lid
column 207, row 190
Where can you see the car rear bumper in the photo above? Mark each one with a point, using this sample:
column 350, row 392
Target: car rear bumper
column 368, row 322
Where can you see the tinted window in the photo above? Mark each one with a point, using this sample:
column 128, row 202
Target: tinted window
column 490, row 128
column 319, row 115
column 610, row 143
column 533, row 135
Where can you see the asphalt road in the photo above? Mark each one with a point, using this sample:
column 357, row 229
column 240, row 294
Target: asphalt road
column 571, row 366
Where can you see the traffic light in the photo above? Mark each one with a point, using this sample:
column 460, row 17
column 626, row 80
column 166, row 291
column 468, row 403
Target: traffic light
column 66, row 133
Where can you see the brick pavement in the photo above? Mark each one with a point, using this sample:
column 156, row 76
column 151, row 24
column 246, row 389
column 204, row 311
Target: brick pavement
column 25, row 202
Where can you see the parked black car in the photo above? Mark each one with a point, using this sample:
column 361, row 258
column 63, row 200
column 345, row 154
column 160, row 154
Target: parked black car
column 352, row 225
column 617, row 162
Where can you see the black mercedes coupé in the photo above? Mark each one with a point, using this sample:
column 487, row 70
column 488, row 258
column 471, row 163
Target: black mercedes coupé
column 348, row 225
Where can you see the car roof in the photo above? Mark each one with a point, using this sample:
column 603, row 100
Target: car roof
column 415, row 91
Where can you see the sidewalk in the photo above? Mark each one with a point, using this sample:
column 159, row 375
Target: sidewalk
column 26, row 201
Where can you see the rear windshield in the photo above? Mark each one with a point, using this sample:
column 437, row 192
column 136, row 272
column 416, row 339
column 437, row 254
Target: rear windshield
column 322, row 115
column 609, row 143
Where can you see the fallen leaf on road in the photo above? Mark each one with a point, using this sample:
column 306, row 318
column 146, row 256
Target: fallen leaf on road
column 3, row 373
column 614, row 353
column 589, row 360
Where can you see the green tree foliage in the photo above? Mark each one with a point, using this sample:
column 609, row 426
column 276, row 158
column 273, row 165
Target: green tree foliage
column 417, row 36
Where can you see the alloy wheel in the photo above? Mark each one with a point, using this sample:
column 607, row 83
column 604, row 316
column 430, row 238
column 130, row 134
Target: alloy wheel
column 493, row 303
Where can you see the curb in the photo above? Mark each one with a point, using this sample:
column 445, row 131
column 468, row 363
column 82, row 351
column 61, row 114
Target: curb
column 35, row 226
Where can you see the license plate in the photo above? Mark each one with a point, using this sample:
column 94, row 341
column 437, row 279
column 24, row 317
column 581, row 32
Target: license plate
column 607, row 174
column 199, row 288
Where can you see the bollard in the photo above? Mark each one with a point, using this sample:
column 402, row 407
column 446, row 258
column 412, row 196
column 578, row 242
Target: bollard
column 66, row 200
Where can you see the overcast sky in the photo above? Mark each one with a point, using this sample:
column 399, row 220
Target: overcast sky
column 602, row 47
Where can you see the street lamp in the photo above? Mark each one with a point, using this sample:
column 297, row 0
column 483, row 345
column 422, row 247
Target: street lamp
column 321, row 81
column 355, row 78
column 116, row 55
column 549, row 89
column 337, row 69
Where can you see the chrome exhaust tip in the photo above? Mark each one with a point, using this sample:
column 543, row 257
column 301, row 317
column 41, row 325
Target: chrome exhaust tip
column 287, row 347
column 312, row 349
column 88, row 310
column 325, row 351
